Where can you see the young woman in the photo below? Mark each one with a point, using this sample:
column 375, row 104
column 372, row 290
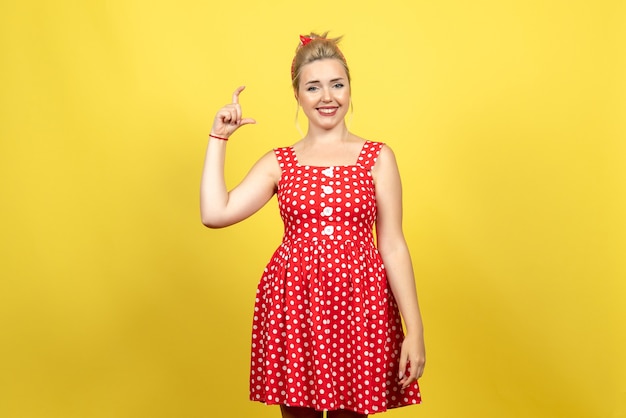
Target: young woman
column 327, row 328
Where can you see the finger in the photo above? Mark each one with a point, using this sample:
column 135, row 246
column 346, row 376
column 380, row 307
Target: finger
column 402, row 368
column 224, row 116
column 238, row 113
column 247, row 121
column 412, row 376
column 408, row 379
column 237, row 93
column 229, row 117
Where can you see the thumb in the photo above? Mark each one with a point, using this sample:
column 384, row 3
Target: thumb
column 247, row 121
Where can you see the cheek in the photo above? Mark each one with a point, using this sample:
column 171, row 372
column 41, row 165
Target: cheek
column 304, row 102
column 307, row 106
column 309, row 100
column 345, row 96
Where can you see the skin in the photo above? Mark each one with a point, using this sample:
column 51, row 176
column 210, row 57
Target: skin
column 324, row 94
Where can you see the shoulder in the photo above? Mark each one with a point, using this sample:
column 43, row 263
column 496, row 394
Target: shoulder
column 386, row 152
column 368, row 149
column 386, row 162
column 379, row 149
column 282, row 157
column 272, row 157
column 372, row 146
column 269, row 164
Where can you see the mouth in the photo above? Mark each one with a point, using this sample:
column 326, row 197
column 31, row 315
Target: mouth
column 327, row 111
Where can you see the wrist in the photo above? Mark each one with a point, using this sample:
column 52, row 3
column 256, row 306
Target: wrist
column 415, row 330
column 220, row 137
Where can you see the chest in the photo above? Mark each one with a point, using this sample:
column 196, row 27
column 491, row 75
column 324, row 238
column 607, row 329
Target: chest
column 332, row 194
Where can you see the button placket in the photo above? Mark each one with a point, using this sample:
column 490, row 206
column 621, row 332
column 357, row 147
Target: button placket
column 328, row 210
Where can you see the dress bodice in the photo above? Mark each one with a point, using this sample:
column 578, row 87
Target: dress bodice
column 336, row 203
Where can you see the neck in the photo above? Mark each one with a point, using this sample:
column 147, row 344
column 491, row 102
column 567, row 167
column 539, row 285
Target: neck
column 337, row 134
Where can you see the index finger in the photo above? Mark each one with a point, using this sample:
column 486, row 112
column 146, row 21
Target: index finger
column 236, row 94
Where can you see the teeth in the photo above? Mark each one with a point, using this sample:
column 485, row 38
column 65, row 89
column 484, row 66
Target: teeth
column 327, row 110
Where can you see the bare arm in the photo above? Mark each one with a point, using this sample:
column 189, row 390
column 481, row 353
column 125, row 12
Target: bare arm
column 397, row 260
column 218, row 206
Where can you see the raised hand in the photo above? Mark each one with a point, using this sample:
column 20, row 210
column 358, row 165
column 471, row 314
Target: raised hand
column 229, row 118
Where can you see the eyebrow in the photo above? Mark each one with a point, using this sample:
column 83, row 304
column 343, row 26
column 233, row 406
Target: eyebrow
column 317, row 81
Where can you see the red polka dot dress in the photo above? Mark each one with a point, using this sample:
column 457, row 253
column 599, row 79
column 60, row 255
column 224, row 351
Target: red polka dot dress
column 326, row 330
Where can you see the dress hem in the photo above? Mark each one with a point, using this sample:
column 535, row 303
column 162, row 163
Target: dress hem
column 356, row 410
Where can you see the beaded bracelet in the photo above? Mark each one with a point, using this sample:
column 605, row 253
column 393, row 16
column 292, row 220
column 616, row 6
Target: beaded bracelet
column 218, row 137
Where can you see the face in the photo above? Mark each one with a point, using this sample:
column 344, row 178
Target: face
column 324, row 92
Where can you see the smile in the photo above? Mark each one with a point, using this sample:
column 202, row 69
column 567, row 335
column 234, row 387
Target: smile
column 327, row 110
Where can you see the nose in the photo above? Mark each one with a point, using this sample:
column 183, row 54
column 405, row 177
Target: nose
column 326, row 95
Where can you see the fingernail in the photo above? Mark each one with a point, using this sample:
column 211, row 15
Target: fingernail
column 400, row 375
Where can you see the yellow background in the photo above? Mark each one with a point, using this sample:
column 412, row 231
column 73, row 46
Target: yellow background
column 508, row 119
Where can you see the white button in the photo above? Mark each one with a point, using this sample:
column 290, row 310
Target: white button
column 327, row 211
column 328, row 189
column 328, row 172
column 328, row 230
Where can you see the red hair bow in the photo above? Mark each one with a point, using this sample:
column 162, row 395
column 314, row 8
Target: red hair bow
column 304, row 39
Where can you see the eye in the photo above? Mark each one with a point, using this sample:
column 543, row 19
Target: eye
column 311, row 88
column 338, row 85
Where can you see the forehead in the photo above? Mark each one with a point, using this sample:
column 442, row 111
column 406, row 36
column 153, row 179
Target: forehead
column 321, row 70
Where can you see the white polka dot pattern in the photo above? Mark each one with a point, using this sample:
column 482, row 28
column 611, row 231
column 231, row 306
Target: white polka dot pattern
column 326, row 329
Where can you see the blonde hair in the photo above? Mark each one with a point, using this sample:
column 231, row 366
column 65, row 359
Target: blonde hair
column 318, row 48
